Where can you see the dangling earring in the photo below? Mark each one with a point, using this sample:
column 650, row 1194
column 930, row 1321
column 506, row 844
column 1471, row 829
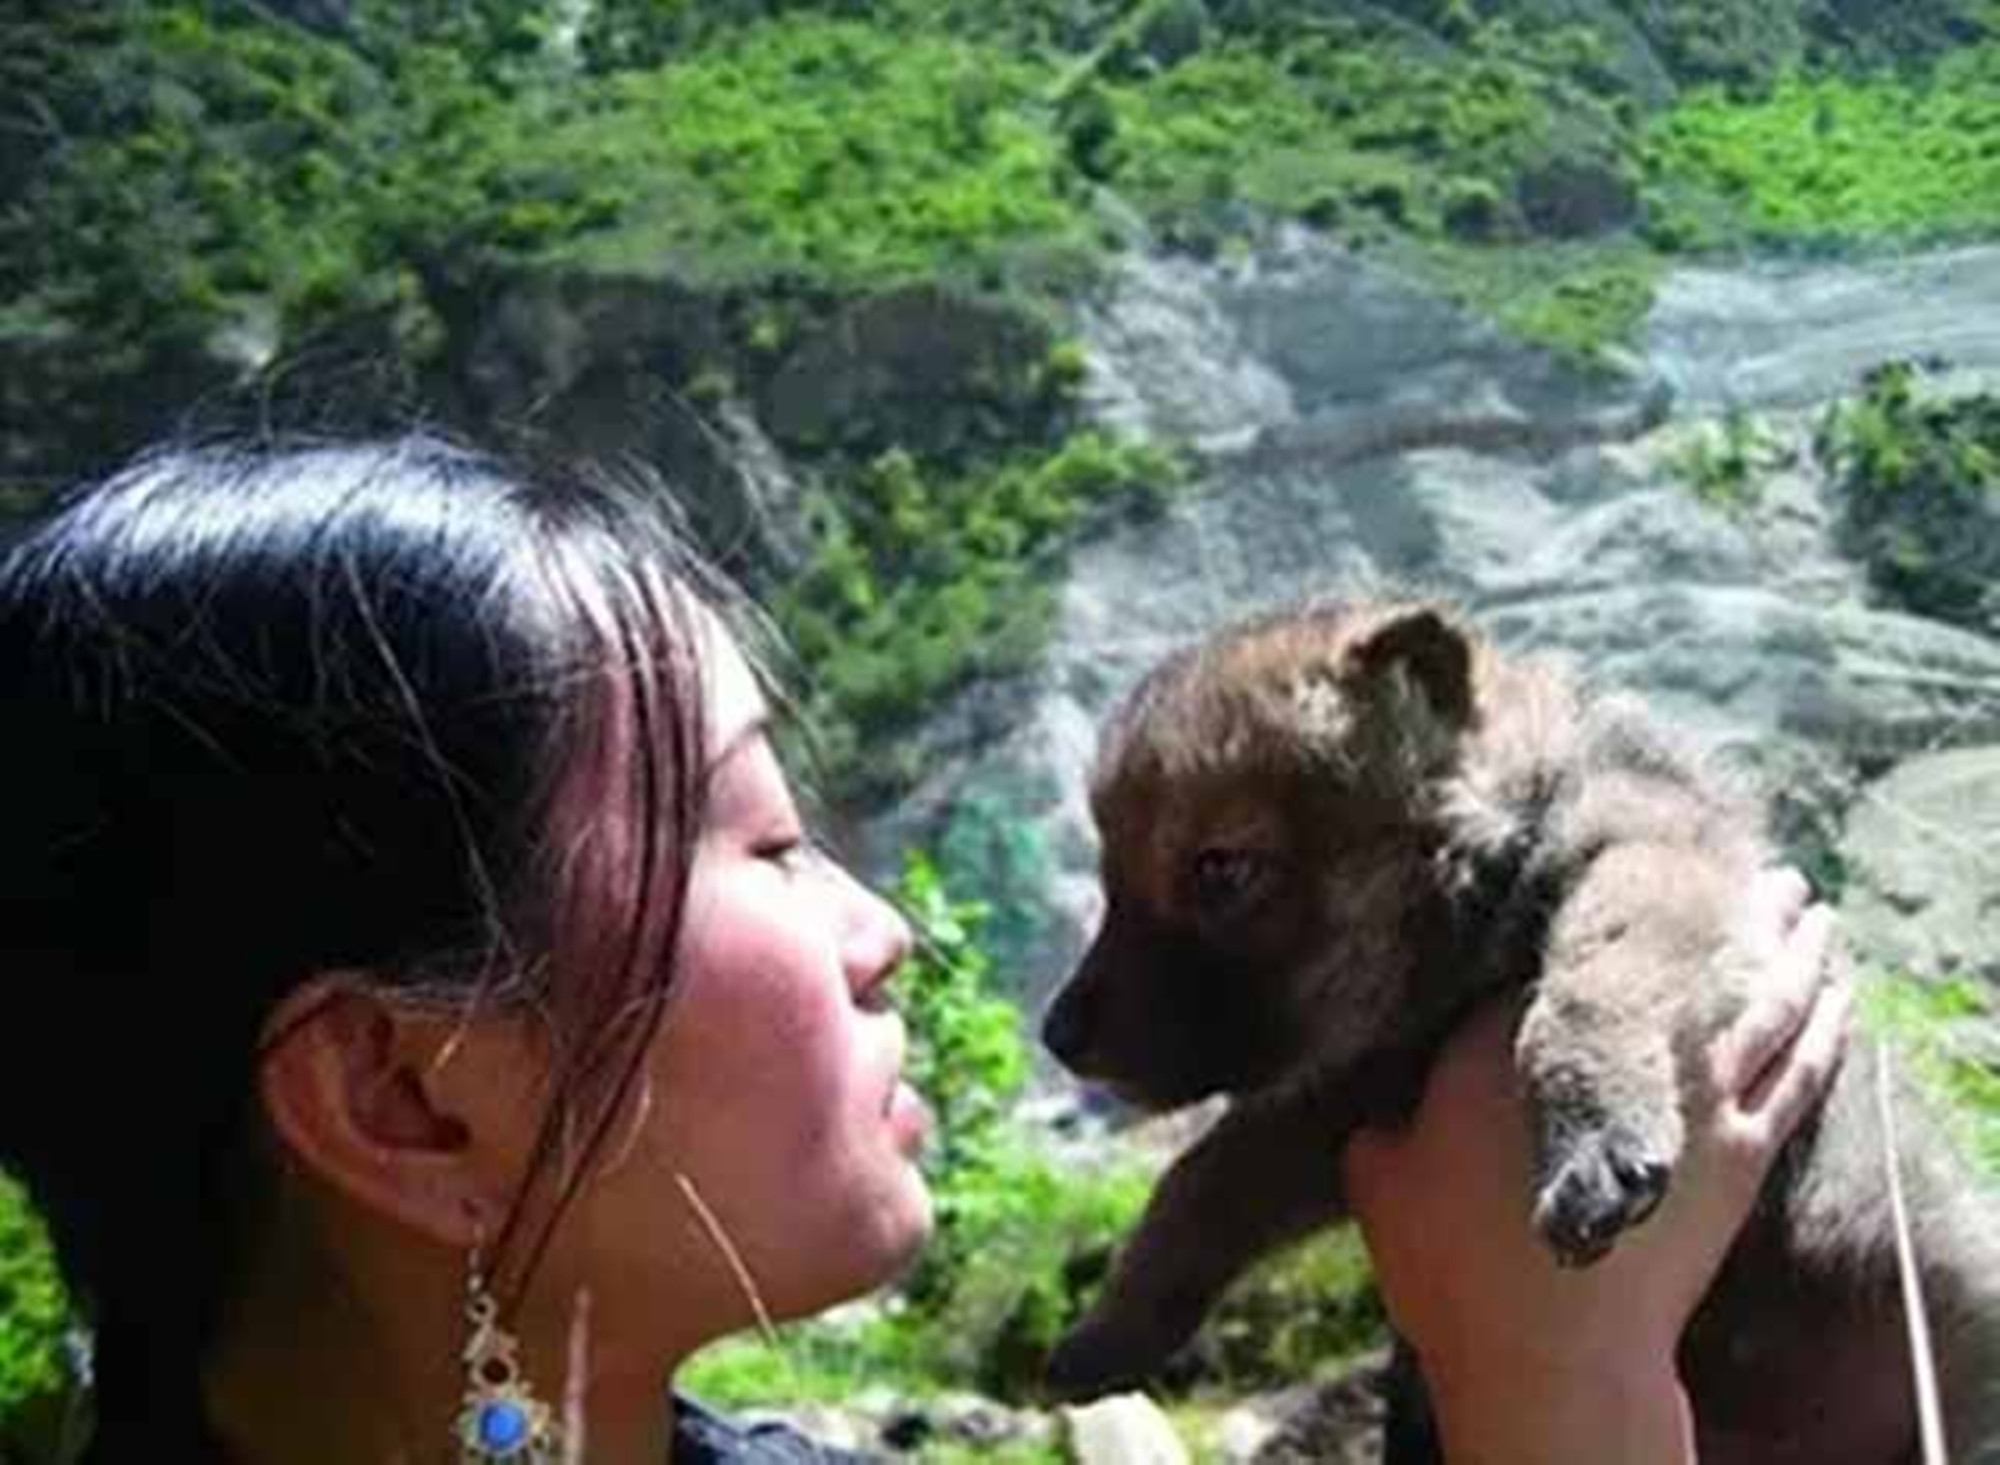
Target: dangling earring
column 502, row 1420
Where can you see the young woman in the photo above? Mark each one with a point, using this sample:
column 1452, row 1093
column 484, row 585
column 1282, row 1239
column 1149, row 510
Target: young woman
column 394, row 840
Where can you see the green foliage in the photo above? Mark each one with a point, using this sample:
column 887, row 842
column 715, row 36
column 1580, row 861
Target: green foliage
column 642, row 35
column 220, row 177
column 966, row 1052
column 1826, row 158
column 1580, row 312
column 1729, row 43
column 1894, row 440
column 506, row 40
column 1321, row 116
column 1166, row 32
column 1920, row 493
column 1066, row 370
column 1305, row 1311
column 1474, row 209
column 201, row 187
column 378, row 189
column 1027, row 1236
column 990, row 1291
column 923, row 578
column 1932, row 1025
column 831, row 148
column 216, row 169
column 1580, row 298
column 203, row 137
column 34, row 1315
column 1721, row 463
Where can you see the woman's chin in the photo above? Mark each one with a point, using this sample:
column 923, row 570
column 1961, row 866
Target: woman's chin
column 900, row 1229
column 874, row 1255
column 910, row 1229
column 883, row 1241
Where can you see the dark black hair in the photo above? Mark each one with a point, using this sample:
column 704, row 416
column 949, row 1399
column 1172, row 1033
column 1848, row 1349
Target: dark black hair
column 286, row 709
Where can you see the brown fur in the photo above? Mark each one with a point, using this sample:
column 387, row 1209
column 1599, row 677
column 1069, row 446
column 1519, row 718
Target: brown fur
column 1327, row 834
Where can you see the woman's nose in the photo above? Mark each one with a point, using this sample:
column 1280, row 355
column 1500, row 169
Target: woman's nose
column 877, row 938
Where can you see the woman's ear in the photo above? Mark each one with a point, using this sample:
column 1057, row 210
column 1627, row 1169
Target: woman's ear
column 414, row 1115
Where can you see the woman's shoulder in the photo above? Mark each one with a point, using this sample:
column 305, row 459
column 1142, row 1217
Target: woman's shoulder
column 704, row 1437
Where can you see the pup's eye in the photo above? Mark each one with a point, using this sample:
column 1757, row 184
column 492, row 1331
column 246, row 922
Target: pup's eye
column 1225, row 878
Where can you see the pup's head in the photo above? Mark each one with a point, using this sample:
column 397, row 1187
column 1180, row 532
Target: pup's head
column 1263, row 804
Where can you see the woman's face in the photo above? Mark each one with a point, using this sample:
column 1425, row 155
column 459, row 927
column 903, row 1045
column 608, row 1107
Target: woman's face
column 773, row 1087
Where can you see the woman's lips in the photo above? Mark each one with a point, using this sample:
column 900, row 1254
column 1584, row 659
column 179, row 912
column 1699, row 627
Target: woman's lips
column 908, row 1117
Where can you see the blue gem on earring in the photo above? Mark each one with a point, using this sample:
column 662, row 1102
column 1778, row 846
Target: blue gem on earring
column 503, row 1427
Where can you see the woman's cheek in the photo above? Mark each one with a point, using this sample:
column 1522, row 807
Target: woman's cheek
column 806, row 1066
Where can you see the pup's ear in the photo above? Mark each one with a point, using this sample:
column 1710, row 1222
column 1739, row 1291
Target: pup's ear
column 1416, row 655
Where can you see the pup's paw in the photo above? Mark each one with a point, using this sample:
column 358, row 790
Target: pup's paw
column 1099, row 1357
column 1601, row 1182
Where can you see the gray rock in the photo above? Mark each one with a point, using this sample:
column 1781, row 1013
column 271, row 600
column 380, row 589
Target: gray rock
column 1796, row 334
column 1334, row 1422
column 1245, row 1430
column 1552, row 509
column 1922, row 853
column 1123, row 1429
column 984, row 1424
column 1167, row 359
column 964, row 1419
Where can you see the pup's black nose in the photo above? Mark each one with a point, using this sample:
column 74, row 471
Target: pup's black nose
column 1066, row 1029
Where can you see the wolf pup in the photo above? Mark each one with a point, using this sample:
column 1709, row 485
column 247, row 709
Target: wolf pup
column 1326, row 835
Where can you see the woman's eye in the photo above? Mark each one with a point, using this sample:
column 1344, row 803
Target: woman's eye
column 790, row 852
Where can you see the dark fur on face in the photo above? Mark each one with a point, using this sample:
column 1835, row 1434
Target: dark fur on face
column 1328, row 834
column 1267, row 887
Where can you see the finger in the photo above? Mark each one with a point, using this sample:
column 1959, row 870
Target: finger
column 1783, row 1094
column 1784, row 893
column 1780, row 1006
